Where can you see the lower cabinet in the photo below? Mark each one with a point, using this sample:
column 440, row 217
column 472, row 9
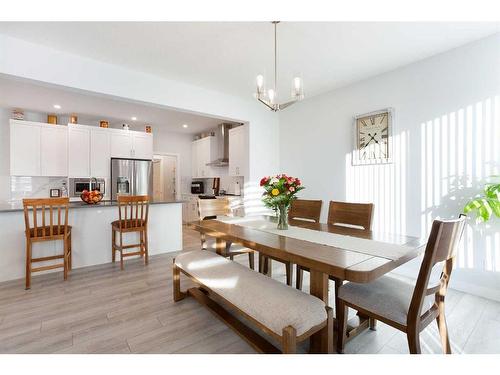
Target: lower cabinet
column 189, row 208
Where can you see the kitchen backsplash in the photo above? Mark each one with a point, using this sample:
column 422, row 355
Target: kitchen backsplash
column 33, row 187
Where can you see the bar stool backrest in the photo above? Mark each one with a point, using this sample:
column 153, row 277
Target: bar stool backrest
column 48, row 217
column 133, row 210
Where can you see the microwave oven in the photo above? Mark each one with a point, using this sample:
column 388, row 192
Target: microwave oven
column 78, row 185
column 197, row 187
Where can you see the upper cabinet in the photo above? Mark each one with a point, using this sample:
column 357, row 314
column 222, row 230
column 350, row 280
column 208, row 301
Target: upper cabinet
column 54, row 150
column 24, row 149
column 39, row 149
column 100, row 152
column 79, row 151
column 142, row 144
column 121, row 145
column 130, row 144
column 203, row 152
column 238, row 151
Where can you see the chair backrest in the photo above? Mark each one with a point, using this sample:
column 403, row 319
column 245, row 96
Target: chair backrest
column 49, row 216
column 213, row 207
column 359, row 214
column 133, row 210
column 441, row 247
column 305, row 209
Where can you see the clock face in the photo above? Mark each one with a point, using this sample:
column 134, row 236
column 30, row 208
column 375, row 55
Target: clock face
column 373, row 137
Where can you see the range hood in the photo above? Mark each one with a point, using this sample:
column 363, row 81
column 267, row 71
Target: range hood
column 222, row 137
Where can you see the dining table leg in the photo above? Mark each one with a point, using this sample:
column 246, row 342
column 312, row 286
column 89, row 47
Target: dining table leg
column 220, row 246
column 319, row 288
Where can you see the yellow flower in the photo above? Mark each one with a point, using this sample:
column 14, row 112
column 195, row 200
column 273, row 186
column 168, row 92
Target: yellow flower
column 275, row 192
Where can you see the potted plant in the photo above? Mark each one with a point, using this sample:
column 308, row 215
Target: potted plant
column 486, row 204
column 279, row 193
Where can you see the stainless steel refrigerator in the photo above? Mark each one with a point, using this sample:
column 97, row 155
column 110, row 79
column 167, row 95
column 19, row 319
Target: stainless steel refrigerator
column 131, row 177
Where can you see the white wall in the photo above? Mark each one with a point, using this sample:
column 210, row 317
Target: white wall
column 32, row 61
column 446, row 139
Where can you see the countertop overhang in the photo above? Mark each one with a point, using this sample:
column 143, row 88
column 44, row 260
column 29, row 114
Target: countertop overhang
column 18, row 206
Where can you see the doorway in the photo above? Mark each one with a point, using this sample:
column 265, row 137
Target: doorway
column 165, row 168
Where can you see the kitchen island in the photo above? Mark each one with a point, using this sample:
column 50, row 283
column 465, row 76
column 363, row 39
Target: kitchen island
column 91, row 235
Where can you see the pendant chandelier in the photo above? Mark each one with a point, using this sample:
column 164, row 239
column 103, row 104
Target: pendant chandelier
column 269, row 97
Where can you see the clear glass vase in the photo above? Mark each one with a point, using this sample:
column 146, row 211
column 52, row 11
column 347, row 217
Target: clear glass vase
column 282, row 217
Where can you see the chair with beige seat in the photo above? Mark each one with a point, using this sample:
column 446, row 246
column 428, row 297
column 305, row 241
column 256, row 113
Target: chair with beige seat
column 133, row 214
column 302, row 210
column 57, row 211
column 210, row 209
column 404, row 306
column 344, row 214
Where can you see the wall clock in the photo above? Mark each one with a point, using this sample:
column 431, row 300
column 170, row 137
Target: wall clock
column 372, row 138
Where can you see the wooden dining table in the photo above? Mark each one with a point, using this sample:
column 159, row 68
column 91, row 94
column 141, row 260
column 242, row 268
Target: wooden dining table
column 322, row 260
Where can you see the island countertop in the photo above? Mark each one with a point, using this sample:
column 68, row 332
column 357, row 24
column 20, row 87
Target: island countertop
column 18, row 206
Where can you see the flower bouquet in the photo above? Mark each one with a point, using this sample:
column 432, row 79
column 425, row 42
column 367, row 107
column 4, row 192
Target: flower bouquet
column 280, row 191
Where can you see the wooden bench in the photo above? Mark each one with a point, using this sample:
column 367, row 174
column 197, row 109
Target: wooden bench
column 284, row 313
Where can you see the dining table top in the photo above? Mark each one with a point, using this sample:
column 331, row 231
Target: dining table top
column 343, row 264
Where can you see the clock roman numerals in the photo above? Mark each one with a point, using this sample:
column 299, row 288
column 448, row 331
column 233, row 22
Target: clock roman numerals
column 373, row 137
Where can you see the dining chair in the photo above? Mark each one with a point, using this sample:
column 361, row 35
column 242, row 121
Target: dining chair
column 351, row 214
column 404, row 306
column 45, row 213
column 210, row 209
column 344, row 214
column 302, row 210
column 133, row 212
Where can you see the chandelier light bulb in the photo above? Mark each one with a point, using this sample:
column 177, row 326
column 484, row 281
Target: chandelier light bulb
column 260, row 82
column 271, row 94
column 297, row 83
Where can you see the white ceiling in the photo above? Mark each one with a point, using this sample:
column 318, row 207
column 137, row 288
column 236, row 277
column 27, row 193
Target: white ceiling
column 37, row 97
column 226, row 56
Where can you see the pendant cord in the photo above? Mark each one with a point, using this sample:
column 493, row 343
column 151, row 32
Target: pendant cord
column 275, row 58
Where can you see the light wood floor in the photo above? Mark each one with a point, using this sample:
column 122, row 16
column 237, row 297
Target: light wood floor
column 101, row 309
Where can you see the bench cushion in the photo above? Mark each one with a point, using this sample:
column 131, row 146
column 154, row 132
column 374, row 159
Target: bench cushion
column 273, row 304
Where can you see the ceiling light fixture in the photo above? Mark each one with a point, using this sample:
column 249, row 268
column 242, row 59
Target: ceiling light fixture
column 57, row 106
column 185, row 126
column 134, row 118
column 268, row 98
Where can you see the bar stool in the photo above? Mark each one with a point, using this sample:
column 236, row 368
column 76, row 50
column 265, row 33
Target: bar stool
column 55, row 208
column 132, row 217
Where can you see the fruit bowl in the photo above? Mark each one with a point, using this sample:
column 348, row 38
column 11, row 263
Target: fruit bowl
column 91, row 197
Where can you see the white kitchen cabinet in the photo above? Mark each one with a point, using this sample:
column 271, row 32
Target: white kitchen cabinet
column 79, row 151
column 24, row 148
column 142, row 144
column 238, row 151
column 39, row 149
column 53, row 150
column 203, row 151
column 121, row 144
column 189, row 208
column 100, row 153
column 130, row 144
